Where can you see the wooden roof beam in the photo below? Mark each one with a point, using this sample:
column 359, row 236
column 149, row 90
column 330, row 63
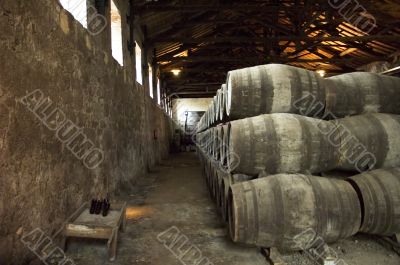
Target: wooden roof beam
column 244, row 39
column 219, row 8
column 196, row 59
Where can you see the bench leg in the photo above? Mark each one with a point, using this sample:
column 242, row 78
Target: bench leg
column 63, row 243
column 113, row 247
column 123, row 222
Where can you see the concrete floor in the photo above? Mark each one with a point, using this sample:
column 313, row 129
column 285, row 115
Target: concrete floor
column 175, row 197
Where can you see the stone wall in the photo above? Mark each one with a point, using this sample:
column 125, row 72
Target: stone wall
column 45, row 51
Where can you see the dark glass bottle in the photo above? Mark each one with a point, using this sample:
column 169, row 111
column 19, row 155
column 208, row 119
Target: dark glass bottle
column 106, row 207
column 99, row 206
column 93, row 206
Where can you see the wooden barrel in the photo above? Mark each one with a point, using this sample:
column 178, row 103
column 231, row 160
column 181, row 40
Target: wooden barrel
column 206, row 118
column 369, row 141
column 203, row 162
column 202, row 141
column 273, row 88
column 214, row 110
column 207, row 170
column 210, row 141
column 282, row 210
column 222, row 110
column 205, row 141
column 217, row 142
column 223, row 145
column 379, row 191
column 214, row 142
column 211, row 177
column 280, row 143
column 361, row 92
column 224, row 179
column 210, row 115
column 220, row 136
column 227, row 181
column 218, row 105
column 214, row 182
column 220, row 174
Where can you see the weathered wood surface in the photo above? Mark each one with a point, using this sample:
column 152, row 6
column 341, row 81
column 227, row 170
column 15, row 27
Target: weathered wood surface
column 379, row 191
column 361, row 92
column 289, row 143
column 88, row 225
column 369, row 141
column 272, row 88
column 284, row 210
column 277, row 143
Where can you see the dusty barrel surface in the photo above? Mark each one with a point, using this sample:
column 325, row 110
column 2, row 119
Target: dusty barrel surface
column 219, row 105
column 211, row 114
column 281, row 210
column 209, row 141
column 226, row 182
column 280, row 143
column 272, row 88
column 215, row 142
column 361, row 92
column 369, row 141
column 222, row 175
column 379, row 191
column 210, row 177
column 224, row 146
column 219, row 143
column 214, row 109
column 201, row 139
column 222, row 110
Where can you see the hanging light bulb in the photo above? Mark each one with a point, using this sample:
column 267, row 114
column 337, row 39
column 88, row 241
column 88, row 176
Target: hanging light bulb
column 322, row 73
column 176, row 72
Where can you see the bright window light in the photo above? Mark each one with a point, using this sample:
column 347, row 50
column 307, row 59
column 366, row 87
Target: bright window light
column 151, row 81
column 77, row 8
column 158, row 91
column 116, row 34
column 138, row 52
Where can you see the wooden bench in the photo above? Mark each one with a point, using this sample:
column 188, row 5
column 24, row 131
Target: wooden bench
column 86, row 225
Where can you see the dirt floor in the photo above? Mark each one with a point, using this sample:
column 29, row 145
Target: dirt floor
column 174, row 203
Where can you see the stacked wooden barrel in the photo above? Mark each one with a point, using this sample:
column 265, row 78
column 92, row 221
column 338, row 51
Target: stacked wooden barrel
column 273, row 130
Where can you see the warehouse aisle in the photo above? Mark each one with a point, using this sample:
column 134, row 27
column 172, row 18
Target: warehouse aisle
column 174, row 200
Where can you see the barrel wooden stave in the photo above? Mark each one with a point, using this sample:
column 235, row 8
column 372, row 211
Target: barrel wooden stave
column 379, row 191
column 222, row 113
column 272, row 88
column 280, row 143
column 361, row 92
column 369, row 141
column 227, row 181
column 273, row 211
